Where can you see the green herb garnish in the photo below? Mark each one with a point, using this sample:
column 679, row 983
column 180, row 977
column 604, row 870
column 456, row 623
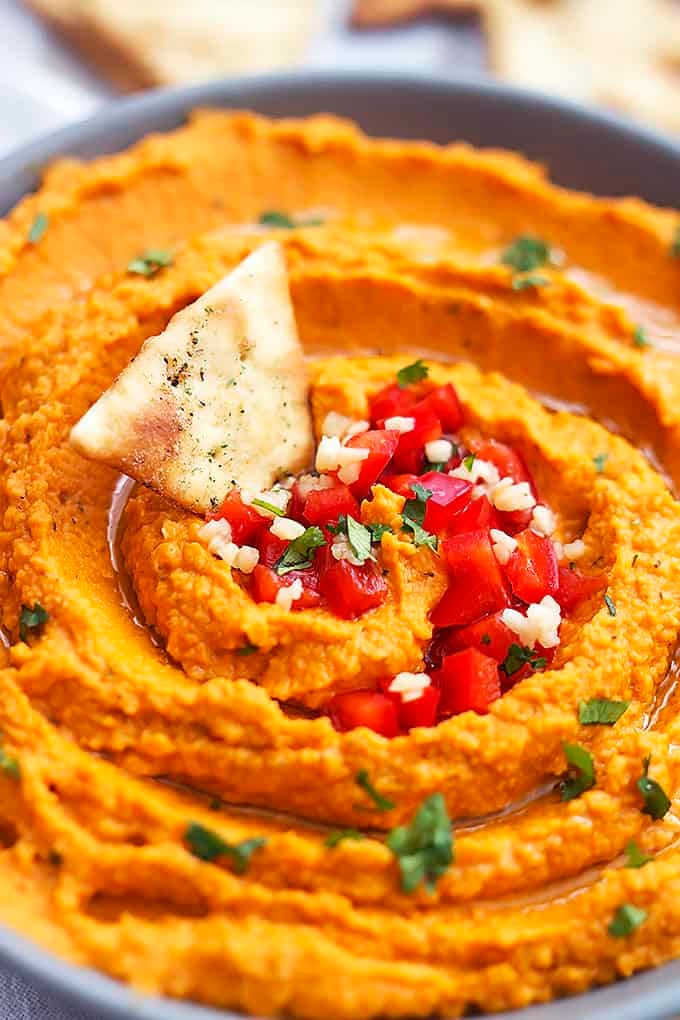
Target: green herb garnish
column 526, row 253
column 640, row 338
column 469, row 461
column 270, row 507
column 626, row 919
column 247, row 650
column 378, row 530
column 601, row 711
column 38, row 227
column 208, row 846
column 413, row 515
column 485, row 639
column 412, row 373
column 337, row 837
column 635, row 858
column 531, row 280
column 360, row 539
column 609, row 603
column 382, row 803
column 599, row 461
column 150, row 262
column 583, row 771
column 32, row 619
column 425, row 846
column 298, row 555
column 282, row 221
column 9, row 764
column 675, row 244
column 521, row 655
column 657, row 802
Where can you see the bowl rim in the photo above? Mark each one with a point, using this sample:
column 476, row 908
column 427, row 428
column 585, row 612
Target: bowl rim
column 650, row 995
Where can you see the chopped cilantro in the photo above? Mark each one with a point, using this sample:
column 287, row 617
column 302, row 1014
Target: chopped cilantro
column 150, row 262
column 270, row 507
column 640, row 338
column 439, row 466
column 337, row 837
column 469, row 461
column 582, row 769
column 208, row 846
column 599, row 461
column 298, row 555
column 381, row 803
column 626, row 919
column 412, row 373
column 526, row 253
column 359, row 538
column 609, row 603
column 521, row 655
column 38, row 228
column 657, row 802
column 272, row 218
column 425, row 846
column 9, row 764
column 378, row 530
column 486, row 639
column 531, row 280
column 32, row 619
column 635, row 858
column 413, row 515
column 247, row 650
column 675, row 244
column 601, row 711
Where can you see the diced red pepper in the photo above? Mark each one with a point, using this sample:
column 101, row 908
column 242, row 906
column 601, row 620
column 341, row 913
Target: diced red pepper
column 265, row 584
column 510, row 464
column 421, row 711
column 489, row 636
column 400, row 483
column 476, row 584
column 479, row 515
column 364, row 708
column 410, row 454
column 532, row 567
column 382, row 445
column 468, row 680
column 324, row 506
column 245, row 521
column 390, row 401
column 444, row 404
column 575, row 587
column 351, row 591
column 448, row 496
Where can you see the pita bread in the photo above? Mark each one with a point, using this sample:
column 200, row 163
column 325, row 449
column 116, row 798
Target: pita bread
column 218, row 399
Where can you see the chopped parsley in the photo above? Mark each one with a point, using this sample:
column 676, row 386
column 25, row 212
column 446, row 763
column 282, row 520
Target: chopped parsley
column 635, row 858
column 381, row 803
column 298, row 555
column 282, row 221
column 337, row 837
column 530, row 280
column 208, row 846
column 518, row 656
column 640, row 338
column 412, row 373
column 609, row 603
column 150, row 262
column 657, row 802
column 601, row 711
column 32, row 619
column 270, row 507
column 469, row 461
column 626, row 919
column 582, row 771
column 247, row 649
column 38, row 228
column 526, row 253
column 425, row 846
column 599, row 461
column 9, row 765
column 675, row 244
column 413, row 515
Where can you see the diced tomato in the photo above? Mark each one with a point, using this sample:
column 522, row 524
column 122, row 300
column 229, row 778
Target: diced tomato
column 410, row 454
column 325, row 505
column 532, row 567
column 489, row 636
column 468, row 680
column 421, row 711
column 444, row 404
column 448, row 496
column 382, row 445
column 297, row 503
column 271, row 548
column 351, row 591
column 391, row 401
column 476, row 585
column 510, row 464
column 479, row 515
column 245, row 521
column 575, row 587
column 265, row 584
column 400, row 483
column 364, row 708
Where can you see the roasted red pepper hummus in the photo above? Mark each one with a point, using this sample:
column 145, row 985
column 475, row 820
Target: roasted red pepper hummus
column 397, row 737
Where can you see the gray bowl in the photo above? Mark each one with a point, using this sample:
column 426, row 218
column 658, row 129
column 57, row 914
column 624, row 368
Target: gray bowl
column 581, row 148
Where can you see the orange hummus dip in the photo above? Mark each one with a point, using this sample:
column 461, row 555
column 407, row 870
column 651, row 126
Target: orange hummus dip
column 178, row 806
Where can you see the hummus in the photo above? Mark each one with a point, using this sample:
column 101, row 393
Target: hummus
column 179, row 804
